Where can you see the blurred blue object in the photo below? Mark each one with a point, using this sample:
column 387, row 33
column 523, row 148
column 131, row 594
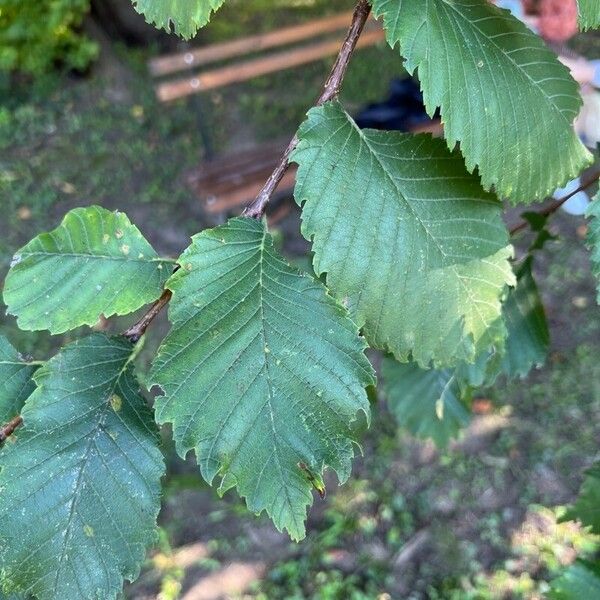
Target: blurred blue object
column 515, row 7
column 596, row 79
column 577, row 205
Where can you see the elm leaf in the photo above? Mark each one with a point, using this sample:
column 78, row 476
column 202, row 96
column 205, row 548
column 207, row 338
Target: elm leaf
column 96, row 262
column 502, row 93
column 429, row 403
column 16, row 382
column 408, row 240
column 185, row 16
column 81, row 479
column 589, row 14
column 263, row 372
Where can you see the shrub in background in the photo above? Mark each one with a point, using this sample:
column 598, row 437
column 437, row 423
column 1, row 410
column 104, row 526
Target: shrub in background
column 37, row 35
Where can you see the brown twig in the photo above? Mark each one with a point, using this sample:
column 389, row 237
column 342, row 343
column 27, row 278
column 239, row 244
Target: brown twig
column 330, row 91
column 8, row 429
column 554, row 206
column 135, row 332
column 257, row 208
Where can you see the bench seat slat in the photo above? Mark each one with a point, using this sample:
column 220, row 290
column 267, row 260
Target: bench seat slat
column 165, row 65
column 217, row 78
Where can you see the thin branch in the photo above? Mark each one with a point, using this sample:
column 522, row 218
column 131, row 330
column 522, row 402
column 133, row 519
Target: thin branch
column 330, row 91
column 135, row 332
column 257, row 208
column 8, row 429
column 554, row 206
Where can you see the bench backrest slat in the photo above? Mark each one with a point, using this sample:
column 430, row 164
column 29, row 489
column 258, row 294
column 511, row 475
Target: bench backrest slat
column 243, row 71
column 202, row 56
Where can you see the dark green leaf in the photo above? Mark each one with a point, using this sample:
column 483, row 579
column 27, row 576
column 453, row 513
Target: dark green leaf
column 580, row 581
column 96, row 262
column 407, row 238
column 429, row 403
column 503, row 94
column 81, row 482
column 15, row 381
column 528, row 336
column 587, row 506
column 263, row 373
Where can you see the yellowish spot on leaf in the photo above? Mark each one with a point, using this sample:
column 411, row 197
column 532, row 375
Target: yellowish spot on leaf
column 116, row 402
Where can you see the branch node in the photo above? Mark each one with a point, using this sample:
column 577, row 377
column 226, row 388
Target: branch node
column 7, row 430
column 135, row 332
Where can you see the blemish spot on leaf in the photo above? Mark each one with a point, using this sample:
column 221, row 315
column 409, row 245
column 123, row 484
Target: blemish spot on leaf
column 105, row 238
column 119, row 234
column 88, row 530
column 439, row 409
column 116, row 402
column 314, row 479
column 125, row 249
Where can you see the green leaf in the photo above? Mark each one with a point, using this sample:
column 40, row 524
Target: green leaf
column 589, row 14
column 503, row 94
column 186, row 16
column 527, row 340
column 15, row 381
column 263, row 373
column 587, row 506
column 96, row 262
column 81, row 482
column 528, row 337
column 408, row 239
column 429, row 403
column 579, row 581
column 484, row 371
column 593, row 239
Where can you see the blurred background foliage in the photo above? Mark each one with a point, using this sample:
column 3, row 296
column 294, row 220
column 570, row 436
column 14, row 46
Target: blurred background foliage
column 37, row 35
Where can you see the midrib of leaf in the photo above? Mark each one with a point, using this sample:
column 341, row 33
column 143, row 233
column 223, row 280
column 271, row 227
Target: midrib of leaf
column 102, row 413
column 73, row 503
column 74, row 283
column 375, row 156
column 124, row 258
column 407, row 205
column 215, row 350
column 268, row 374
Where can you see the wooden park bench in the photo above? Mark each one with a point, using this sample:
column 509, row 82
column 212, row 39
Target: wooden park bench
column 228, row 182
